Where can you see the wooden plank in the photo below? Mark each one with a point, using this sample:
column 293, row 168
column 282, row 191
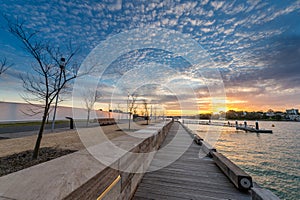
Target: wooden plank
column 191, row 174
column 155, row 195
column 190, row 193
column 263, row 194
column 238, row 177
column 192, row 183
column 94, row 186
column 186, row 187
column 169, row 197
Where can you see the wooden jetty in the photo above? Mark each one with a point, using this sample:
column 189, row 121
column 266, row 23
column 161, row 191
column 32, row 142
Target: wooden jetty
column 192, row 176
column 250, row 128
column 243, row 127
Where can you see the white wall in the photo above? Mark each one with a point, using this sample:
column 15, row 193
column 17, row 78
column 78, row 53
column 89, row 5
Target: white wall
column 15, row 112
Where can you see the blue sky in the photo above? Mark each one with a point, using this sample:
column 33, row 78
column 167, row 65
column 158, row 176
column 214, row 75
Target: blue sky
column 254, row 44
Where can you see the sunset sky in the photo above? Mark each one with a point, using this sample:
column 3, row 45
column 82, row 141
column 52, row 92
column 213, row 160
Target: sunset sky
column 195, row 56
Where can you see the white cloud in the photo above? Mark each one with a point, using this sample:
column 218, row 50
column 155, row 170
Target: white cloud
column 217, row 4
column 115, row 5
column 285, row 11
column 206, row 30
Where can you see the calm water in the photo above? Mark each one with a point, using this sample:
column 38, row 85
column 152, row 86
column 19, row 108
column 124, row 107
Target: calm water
column 273, row 160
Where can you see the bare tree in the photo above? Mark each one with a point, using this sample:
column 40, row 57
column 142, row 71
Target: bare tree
column 48, row 76
column 4, row 65
column 90, row 97
column 145, row 103
column 131, row 106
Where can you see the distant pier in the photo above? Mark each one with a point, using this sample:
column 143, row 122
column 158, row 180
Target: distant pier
column 244, row 127
column 252, row 129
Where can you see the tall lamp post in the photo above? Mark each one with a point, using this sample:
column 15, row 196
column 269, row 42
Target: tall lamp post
column 127, row 101
column 62, row 65
column 128, row 110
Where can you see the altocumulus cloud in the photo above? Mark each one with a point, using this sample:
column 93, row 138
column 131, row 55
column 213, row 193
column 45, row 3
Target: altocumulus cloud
column 251, row 42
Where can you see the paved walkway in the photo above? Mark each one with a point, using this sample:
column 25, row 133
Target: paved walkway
column 189, row 177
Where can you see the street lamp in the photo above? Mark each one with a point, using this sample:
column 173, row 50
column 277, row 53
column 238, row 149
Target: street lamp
column 128, row 110
column 62, row 65
column 127, row 102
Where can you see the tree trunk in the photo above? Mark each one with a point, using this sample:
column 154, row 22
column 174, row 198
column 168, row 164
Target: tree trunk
column 39, row 138
column 129, row 121
column 88, row 118
column 47, row 121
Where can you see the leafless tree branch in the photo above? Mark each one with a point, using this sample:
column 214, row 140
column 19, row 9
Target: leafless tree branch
column 4, row 65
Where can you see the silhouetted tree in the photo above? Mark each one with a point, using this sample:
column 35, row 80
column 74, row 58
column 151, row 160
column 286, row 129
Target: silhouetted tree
column 205, row 116
column 231, row 114
column 48, row 77
column 131, row 106
column 90, row 97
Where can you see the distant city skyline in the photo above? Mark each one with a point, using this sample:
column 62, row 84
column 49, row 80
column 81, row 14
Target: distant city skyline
column 255, row 46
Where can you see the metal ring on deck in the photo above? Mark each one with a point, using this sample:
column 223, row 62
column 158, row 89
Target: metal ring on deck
column 245, row 183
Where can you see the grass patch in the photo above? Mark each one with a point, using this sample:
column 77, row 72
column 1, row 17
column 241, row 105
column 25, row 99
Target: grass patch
column 33, row 123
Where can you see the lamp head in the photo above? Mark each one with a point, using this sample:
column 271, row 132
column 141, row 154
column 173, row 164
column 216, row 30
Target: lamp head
column 62, row 62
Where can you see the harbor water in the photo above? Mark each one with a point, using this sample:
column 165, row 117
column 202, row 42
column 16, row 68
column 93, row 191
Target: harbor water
column 273, row 160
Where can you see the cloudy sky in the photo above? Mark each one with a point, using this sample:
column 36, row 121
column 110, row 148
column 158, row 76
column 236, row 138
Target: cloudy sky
column 189, row 55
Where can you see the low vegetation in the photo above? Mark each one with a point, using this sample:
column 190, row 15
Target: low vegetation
column 22, row 160
column 33, row 123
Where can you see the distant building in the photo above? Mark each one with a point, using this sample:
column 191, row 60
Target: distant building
column 270, row 114
column 292, row 112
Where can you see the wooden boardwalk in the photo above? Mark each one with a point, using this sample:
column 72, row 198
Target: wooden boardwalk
column 189, row 177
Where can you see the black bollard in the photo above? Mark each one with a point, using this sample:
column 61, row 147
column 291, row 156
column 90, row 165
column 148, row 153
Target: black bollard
column 256, row 125
column 71, row 122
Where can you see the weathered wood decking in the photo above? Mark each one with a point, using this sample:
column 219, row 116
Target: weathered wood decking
column 189, row 177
